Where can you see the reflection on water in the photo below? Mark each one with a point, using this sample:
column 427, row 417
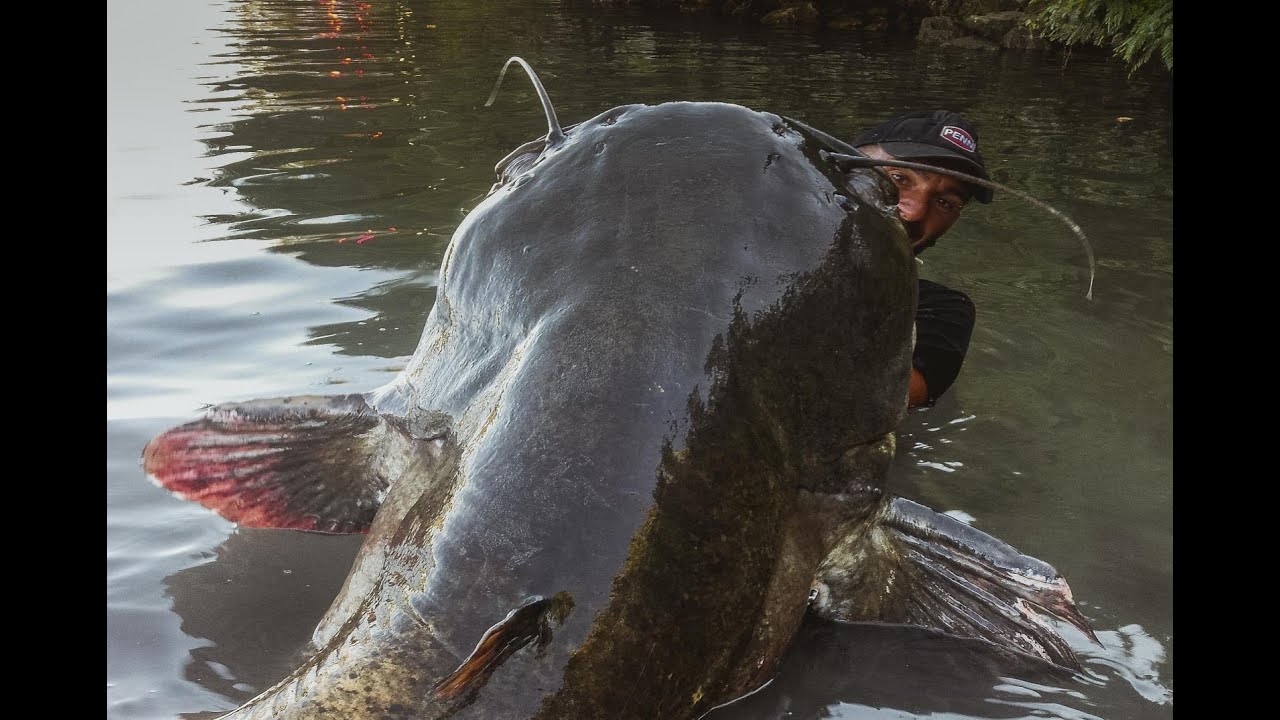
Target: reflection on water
column 257, row 601
column 1132, row 654
column 871, row 671
column 280, row 203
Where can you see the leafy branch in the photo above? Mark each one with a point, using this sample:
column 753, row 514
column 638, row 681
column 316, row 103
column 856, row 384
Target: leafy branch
column 1134, row 29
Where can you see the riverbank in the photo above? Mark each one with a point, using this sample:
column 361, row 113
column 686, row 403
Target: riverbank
column 983, row 26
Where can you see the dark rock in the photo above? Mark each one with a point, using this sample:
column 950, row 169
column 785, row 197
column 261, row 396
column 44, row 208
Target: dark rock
column 937, row 30
column 802, row 13
column 845, row 22
column 969, row 42
column 1022, row 38
column 994, row 26
column 964, row 8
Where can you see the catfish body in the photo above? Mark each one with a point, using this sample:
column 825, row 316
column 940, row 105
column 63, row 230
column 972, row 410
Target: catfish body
column 657, row 391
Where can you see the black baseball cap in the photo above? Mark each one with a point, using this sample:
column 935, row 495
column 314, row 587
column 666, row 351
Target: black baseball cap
column 932, row 135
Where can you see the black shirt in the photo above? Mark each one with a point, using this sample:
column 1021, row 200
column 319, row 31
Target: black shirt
column 944, row 323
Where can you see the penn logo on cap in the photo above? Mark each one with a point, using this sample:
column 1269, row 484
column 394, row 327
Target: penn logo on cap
column 939, row 137
column 959, row 138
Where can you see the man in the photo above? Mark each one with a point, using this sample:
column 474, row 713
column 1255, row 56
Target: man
column 929, row 204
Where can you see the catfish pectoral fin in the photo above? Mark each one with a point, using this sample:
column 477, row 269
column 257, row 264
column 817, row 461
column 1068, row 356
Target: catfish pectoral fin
column 307, row 463
column 908, row 564
column 525, row 624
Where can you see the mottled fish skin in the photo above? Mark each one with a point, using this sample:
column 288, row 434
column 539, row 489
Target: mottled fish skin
column 658, row 387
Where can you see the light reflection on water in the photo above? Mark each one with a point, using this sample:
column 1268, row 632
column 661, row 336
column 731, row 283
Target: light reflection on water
column 243, row 171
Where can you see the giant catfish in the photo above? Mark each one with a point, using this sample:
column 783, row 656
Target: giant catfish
column 645, row 432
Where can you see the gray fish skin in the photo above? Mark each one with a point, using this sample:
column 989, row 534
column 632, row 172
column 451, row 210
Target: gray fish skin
column 657, row 389
column 666, row 280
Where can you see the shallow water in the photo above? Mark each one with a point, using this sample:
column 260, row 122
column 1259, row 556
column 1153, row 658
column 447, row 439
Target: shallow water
column 283, row 178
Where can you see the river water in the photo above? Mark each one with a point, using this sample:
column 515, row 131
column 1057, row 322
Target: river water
column 283, row 177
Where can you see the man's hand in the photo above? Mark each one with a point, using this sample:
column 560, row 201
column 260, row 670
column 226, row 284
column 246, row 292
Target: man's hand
column 919, row 392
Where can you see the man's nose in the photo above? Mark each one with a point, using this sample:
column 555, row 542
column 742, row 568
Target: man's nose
column 910, row 207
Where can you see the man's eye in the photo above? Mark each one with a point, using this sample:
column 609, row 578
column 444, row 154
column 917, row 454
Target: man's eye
column 949, row 206
column 898, row 178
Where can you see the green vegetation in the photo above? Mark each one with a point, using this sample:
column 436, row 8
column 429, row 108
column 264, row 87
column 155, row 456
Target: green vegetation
column 1135, row 29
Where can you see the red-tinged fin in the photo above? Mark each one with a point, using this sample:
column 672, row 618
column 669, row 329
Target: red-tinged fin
column 524, row 625
column 908, row 564
column 304, row 463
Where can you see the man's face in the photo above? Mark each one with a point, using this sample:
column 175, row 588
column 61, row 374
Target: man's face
column 928, row 203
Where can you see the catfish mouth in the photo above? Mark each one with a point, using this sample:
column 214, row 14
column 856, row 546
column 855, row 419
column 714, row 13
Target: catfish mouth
column 518, row 161
column 524, row 157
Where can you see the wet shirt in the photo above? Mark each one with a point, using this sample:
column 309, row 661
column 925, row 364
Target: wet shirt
column 944, row 323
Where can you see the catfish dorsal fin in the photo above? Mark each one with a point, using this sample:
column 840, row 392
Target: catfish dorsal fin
column 555, row 135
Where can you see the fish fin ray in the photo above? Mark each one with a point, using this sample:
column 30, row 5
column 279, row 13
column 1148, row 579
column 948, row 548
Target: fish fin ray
column 304, row 462
column 526, row 624
column 911, row 565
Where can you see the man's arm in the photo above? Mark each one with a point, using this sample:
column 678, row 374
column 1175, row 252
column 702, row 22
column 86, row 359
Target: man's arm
column 944, row 324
